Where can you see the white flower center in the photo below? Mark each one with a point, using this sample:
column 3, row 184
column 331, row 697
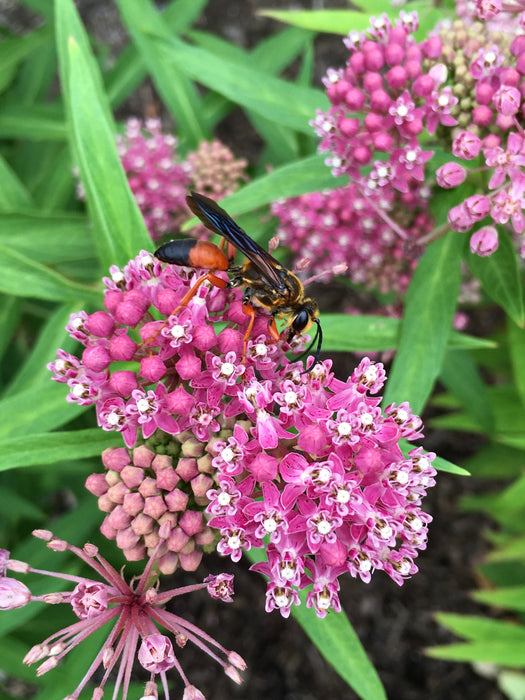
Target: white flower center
column 402, row 415
column 227, row 454
column 224, row 498
column 402, row 111
column 344, row 428
column 143, row 405
column 177, row 331
column 227, row 369
column 324, row 527
column 234, row 541
column 342, row 496
column 290, row 397
column 367, row 419
column 113, row 418
column 270, row 524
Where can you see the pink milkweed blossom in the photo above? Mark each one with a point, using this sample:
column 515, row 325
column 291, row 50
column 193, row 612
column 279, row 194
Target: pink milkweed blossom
column 158, row 182
column 134, row 611
column 374, row 233
column 491, row 138
column 264, row 449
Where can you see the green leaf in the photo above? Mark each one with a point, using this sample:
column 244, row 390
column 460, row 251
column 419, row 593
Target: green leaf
column 342, row 332
column 496, row 461
column 461, row 377
column 119, row 230
column 21, row 276
column 9, row 318
column 512, row 550
column 516, row 338
column 52, row 336
column 443, row 465
column 305, row 175
column 337, row 641
column 425, row 328
column 511, row 598
column 30, row 412
column 499, row 275
column 483, row 629
column 180, row 96
column 13, row 50
column 509, row 653
column 48, row 238
column 15, row 507
column 277, row 100
column 55, row 190
column 13, row 193
column 332, row 21
column 129, row 69
column 34, row 123
column 48, row 448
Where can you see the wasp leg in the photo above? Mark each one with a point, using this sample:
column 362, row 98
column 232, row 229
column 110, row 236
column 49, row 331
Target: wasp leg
column 272, row 329
column 210, row 277
column 249, row 311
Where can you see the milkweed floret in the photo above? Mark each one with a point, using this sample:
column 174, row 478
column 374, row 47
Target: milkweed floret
column 135, row 612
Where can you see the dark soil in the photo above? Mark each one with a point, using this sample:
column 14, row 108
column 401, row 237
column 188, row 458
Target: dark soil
column 395, row 624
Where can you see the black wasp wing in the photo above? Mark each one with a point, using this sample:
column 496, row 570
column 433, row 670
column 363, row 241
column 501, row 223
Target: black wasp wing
column 219, row 221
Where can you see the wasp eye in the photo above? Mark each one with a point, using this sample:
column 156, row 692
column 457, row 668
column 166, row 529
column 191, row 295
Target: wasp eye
column 302, row 321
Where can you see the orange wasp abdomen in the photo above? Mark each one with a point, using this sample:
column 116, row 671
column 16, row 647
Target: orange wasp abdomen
column 198, row 254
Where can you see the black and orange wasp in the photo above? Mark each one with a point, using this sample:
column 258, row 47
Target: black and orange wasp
column 266, row 282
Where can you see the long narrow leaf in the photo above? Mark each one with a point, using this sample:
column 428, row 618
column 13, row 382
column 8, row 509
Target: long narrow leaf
column 23, row 277
column 47, row 238
column 277, row 100
column 516, row 338
column 34, row 123
column 129, row 69
column 27, row 414
column 331, row 21
column 34, row 373
column 499, row 275
column 48, row 448
column 430, row 304
column 13, row 193
column 180, row 96
column 461, row 377
column 119, row 227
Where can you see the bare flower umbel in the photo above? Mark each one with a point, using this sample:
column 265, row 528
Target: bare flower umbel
column 137, row 613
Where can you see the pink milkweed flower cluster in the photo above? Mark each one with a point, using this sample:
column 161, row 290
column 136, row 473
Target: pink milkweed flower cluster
column 494, row 142
column 159, row 178
column 346, row 225
column 135, row 611
column 391, row 91
column 158, row 182
column 301, row 459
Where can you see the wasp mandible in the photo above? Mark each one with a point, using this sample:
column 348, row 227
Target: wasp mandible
column 266, row 282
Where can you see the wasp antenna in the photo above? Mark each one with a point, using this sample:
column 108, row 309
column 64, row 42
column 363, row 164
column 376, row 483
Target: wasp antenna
column 319, row 338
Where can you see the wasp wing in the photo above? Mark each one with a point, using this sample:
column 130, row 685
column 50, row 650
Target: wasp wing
column 219, row 221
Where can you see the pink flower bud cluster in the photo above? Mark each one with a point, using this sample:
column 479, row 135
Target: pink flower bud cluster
column 346, row 226
column 158, row 182
column 301, row 457
column 142, row 491
column 391, row 91
column 214, row 170
column 134, row 612
column 496, row 146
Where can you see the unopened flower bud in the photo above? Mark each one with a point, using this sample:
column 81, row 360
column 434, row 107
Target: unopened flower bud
column 484, row 242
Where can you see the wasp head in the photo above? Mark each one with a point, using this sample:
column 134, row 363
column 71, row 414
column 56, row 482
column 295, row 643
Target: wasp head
column 305, row 316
